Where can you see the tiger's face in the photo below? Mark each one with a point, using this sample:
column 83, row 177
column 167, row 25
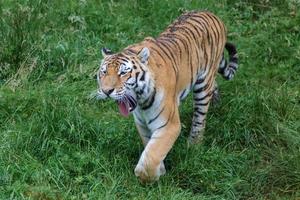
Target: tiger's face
column 118, row 78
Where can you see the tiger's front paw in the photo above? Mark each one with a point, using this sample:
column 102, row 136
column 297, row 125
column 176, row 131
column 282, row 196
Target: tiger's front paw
column 149, row 175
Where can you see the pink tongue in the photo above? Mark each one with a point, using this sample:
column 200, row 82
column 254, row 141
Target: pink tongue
column 124, row 108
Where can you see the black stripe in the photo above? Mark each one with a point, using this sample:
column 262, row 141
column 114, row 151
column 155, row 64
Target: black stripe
column 178, row 47
column 197, row 123
column 191, row 32
column 185, row 45
column 163, row 124
column 199, row 23
column 180, row 39
column 190, row 63
column 124, row 60
column 200, row 89
column 233, row 67
column 174, row 42
column 126, row 56
column 213, row 21
column 216, row 33
column 205, row 55
column 195, row 115
column 172, row 60
column 164, row 51
column 152, row 120
column 162, row 57
column 131, row 51
column 200, row 112
column 205, row 24
column 201, row 104
column 136, row 78
column 165, row 43
column 149, row 101
column 188, row 51
column 202, row 18
column 207, row 85
column 197, row 41
column 187, row 35
column 202, row 98
column 170, row 51
column 196, row 29
column 171, row 113
column 182, row 94
column 218, row 21
column 143, row 76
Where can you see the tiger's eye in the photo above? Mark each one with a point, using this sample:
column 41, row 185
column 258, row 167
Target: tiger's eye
column 123, row 73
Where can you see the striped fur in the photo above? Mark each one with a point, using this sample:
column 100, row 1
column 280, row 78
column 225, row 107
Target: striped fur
column 158, row 73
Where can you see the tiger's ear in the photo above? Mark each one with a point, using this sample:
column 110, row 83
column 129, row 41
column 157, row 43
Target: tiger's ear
column 144, row 55
column 106, row 52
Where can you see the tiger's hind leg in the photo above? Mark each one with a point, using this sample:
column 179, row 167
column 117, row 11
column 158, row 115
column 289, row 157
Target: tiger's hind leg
column 203, row 91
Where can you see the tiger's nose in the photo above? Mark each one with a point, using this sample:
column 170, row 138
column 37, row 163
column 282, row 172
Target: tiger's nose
column 108, row 92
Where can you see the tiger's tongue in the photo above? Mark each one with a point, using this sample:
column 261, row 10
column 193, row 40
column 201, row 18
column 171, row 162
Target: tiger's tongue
column 123, row 108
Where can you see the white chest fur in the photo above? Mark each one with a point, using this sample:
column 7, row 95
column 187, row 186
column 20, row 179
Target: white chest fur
column 151, row 117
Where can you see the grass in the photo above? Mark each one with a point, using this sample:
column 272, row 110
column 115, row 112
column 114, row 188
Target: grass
column 57, row 144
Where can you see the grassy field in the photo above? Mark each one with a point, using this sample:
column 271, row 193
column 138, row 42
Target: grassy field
column 55, row 143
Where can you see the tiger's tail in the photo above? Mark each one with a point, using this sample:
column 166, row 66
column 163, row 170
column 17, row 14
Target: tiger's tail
column 228, row 70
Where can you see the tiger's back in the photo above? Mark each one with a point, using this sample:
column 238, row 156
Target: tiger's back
column 189, row 47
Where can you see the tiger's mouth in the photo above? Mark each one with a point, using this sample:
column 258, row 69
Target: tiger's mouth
column 126, row 105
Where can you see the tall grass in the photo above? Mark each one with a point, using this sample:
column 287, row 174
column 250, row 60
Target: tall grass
column 57, row 144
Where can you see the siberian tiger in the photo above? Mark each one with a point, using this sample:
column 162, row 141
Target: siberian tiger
column 150, row 79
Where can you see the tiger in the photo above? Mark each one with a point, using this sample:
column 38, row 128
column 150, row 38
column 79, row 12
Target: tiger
column 150, row 79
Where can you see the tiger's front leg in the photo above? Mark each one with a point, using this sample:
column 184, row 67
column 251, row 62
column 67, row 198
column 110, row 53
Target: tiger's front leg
column 149, row 167
column 145, row 135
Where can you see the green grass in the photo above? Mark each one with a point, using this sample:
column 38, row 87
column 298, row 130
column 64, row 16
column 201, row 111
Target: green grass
column 58, row 144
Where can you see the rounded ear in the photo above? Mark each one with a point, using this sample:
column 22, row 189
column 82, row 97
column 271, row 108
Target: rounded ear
column 105, row 52
column 144, row 55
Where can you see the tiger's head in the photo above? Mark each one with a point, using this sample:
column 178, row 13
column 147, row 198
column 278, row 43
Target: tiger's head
column 120, row 76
